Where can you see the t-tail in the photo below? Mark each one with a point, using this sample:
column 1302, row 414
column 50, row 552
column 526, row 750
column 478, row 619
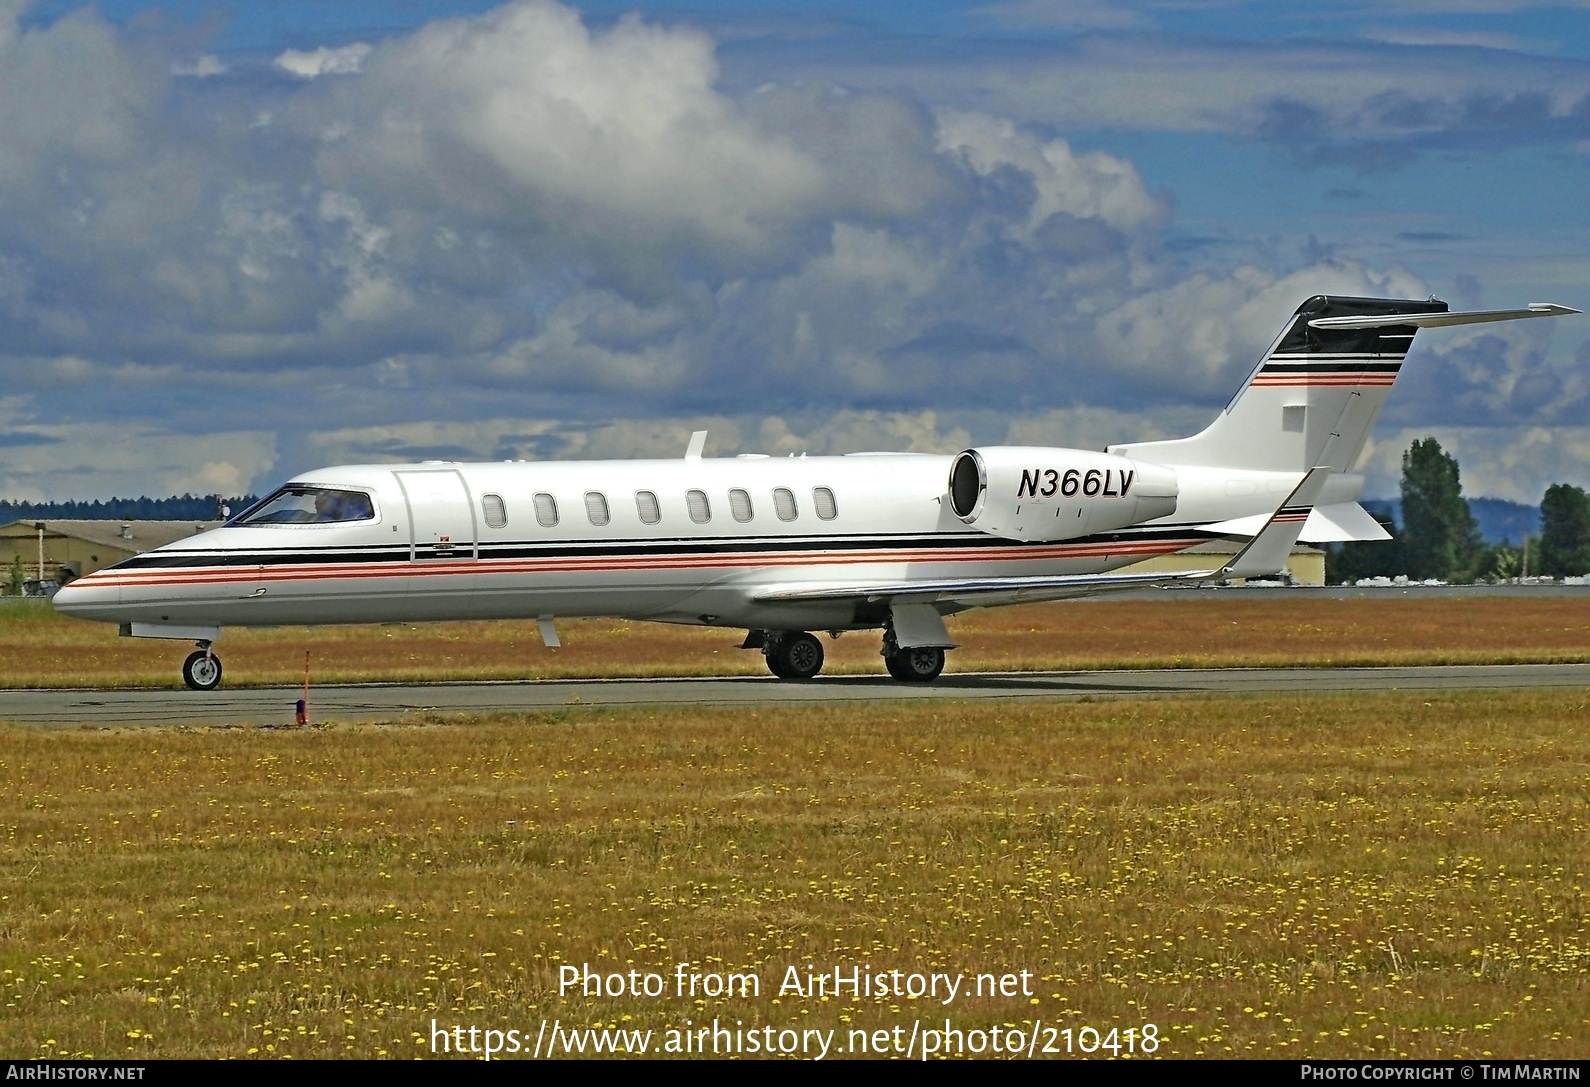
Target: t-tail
column 1311, row 402
column 1315, row 395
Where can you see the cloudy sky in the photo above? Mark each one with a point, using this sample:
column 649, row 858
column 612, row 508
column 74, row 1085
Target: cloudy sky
column 240, row 241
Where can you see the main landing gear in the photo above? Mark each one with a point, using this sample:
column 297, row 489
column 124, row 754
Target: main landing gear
column 792, row 654
column 202, row 670
column 918, row 665
column 795, row 654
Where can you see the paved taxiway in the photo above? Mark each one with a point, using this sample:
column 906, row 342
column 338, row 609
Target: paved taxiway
column 367, row 702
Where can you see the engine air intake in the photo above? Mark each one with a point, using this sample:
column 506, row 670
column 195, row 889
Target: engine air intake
column 968, row 482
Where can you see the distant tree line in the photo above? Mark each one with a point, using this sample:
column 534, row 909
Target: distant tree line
column 185, row 507
column 1439, row 539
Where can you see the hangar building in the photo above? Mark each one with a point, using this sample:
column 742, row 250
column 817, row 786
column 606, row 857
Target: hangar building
column 67, row 549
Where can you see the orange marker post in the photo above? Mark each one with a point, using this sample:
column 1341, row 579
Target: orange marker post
column 303, row 703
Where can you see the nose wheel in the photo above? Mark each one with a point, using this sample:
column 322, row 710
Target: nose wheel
column 202, row 670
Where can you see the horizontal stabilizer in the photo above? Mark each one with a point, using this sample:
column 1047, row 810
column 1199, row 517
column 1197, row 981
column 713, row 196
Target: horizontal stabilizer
column 1340, row 522
column 1267, row 552
column 1442, row 320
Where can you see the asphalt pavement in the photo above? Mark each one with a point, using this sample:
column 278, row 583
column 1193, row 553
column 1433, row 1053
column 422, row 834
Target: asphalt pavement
column 395, row 702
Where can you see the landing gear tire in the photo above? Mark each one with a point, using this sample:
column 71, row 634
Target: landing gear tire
column 202, row 670
column 795, row 656
column 921, row 665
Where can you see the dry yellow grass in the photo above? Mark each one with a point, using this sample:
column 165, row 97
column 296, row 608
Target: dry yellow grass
column 1365, row 876
column 41, row 649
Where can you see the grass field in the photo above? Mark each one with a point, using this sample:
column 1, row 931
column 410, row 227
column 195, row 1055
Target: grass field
column 1346, row 876
column 39, row 648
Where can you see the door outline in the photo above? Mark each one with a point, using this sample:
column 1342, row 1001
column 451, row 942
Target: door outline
column 469, row 506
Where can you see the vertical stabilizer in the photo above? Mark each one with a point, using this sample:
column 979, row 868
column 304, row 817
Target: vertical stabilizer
column 1314, row 396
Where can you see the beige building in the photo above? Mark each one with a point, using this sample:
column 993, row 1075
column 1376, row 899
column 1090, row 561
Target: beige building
column 75, row 548
column 1306, row 564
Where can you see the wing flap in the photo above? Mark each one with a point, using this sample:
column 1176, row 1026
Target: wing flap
column 980, row 592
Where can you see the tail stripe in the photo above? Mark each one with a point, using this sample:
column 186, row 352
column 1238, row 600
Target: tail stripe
column 1300, row 381
column 1320, row 356
column 1333, row 368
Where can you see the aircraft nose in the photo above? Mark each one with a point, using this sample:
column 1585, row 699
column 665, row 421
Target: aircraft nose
column 87, row 600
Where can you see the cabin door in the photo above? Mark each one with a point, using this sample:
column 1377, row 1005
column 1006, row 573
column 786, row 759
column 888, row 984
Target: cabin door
column 441, row 581
column 441, row 516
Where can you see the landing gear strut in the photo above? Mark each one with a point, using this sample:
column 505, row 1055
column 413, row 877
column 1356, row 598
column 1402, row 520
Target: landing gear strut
column 202, row 670
column 792, row 654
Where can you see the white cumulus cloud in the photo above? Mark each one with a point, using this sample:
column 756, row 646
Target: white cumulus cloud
column 614, row 132
column 589, row 235
column 1092, row 185
column 314, row 63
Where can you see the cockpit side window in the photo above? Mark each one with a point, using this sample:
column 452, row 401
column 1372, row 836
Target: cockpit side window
column 304, row 505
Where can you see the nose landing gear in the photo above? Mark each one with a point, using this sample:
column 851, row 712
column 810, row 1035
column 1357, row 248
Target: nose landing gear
column 202, row 670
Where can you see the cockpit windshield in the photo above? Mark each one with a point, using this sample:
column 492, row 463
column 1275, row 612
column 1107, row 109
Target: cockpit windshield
column 303, row 505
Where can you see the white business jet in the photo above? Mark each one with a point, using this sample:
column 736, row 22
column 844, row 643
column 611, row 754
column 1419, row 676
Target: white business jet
column 780, row 547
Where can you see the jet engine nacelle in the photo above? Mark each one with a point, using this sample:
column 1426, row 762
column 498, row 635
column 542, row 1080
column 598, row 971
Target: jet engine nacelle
column 1037, row 493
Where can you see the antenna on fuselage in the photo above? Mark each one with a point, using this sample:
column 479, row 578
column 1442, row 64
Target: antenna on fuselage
column 698, row 442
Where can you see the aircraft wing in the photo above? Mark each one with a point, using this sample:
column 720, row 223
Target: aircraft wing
column 1265, row 554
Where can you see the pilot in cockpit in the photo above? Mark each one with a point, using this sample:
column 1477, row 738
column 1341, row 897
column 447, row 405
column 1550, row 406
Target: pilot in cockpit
column 329, row 506
column 333, row 506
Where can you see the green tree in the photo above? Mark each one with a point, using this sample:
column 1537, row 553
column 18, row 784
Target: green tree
column 1506, row 563
column 15, row 575
column 1565, row 531
column 1439, row 536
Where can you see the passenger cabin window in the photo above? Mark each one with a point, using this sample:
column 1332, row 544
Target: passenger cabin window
column 496, row 512
column 596, row 508
column 740, row 505
column 823, row 500
column 784, row 503
column 646, row 505
column 546, row 510
column 302, row 505
column 700, row 510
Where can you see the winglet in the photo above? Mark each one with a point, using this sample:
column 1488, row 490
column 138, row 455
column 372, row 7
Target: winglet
column 698, row 443
column 1267, row 552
